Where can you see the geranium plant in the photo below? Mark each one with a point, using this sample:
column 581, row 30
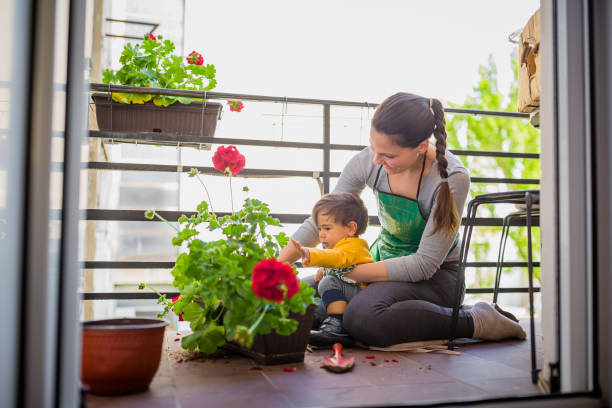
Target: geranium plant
column 232, row 288
column 153, row 64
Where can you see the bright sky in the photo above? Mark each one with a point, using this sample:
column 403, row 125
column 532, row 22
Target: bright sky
column 343, row 50
column 336, row 49
column 354, row 50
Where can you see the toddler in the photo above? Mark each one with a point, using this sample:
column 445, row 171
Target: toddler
column 340, row 219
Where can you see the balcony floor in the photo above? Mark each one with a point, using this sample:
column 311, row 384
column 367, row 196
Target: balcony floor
column 482, row 370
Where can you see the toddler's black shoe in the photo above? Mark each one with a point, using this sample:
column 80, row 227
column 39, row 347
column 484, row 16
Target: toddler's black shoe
column 330, row 332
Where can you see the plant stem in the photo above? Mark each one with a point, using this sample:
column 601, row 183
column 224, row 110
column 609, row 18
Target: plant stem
column 254, row 326
column 165, row 220
column 208, row 195
column 231, row 194
column 167, row 302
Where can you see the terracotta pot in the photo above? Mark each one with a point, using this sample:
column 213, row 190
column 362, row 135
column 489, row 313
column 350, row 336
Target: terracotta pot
column 194, row 119
column 276, row 349
column 121, row 356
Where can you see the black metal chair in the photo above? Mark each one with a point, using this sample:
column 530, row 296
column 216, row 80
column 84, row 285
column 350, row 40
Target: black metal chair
column 526, row 217
column 518, row 218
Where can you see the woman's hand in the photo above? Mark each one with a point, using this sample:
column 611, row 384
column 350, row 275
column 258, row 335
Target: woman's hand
column 370, row 272
column 303, row 251
column 319, row 275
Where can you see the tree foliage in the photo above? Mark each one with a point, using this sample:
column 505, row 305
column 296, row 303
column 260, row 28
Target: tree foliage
column 490, row 133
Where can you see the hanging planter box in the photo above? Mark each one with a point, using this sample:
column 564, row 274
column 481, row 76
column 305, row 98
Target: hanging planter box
column 276, row 349
column 195, row 119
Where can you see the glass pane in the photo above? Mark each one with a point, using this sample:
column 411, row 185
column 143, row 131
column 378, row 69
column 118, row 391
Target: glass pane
column 14, row 31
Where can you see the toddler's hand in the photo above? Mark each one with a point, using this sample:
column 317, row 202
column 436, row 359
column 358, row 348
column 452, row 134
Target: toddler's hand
column 319, row 275
column 304, row 252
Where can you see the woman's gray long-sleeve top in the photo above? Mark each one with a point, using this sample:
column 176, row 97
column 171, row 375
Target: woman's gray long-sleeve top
column 433, row 249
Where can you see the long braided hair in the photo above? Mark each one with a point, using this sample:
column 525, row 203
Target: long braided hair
column 408, row 120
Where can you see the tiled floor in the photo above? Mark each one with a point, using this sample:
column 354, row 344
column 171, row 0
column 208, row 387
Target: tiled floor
column 483, row 370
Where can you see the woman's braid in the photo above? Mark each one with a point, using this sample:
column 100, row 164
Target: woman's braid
column 440, row 135
column 446, row 217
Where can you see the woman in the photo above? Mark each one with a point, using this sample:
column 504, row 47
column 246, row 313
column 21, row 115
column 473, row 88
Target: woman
column 420, row 190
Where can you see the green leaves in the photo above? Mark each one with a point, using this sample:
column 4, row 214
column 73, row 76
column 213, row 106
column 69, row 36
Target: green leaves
column 192, row 312
column 286, row 326
column 203, row 208
column 152, row 64
column 210, row 274
column 184, row 235
column 108, row 76
column 207, row 340
column 488, row 133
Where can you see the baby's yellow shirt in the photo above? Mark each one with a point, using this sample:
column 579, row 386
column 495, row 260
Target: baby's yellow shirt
column 347, row 252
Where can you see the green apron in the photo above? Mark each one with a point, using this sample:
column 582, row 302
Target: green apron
column 402, row 223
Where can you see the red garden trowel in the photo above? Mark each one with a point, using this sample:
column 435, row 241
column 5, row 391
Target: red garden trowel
column 337, row 363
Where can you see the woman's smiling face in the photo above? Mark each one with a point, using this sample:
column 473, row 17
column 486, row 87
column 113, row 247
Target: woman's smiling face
column 392, row 157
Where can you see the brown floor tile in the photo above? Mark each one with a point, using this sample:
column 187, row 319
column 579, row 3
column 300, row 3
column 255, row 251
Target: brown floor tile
column 212, row 368
column 333, row 397
column 222, row 386
column 466, row 366
column 483, row 369
column 380, row 395
column 267, row 400
column 413, row 393
column 142, row 400
column 311, row 376
column 382, row 370
column 507, row 387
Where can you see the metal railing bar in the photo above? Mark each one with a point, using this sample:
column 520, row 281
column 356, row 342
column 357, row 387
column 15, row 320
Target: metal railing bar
column 149, row 295
column 124, row 295
column 170, row 168
column 170, row 264
column 226, row 95
column 204, row 170
column 173, row 216
column 127, row 265
column 162, row 137
column 490, row 180
column 484, row 264
column 500, row 290
column 489, row 153
column 115, row 20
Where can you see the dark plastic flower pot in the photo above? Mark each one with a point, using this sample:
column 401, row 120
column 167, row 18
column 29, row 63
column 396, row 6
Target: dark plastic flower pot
column 121, row 356
column 195, row 119
column 273, row 348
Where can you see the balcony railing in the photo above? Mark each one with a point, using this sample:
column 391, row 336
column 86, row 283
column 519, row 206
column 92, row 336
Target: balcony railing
column 325, row 174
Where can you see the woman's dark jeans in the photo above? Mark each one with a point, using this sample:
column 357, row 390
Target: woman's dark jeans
column 387, row 313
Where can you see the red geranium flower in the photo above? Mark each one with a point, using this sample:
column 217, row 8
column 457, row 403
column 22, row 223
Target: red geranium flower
column 174, row 299
column 273, row 279
column 195, row 58
column 235, row 106
column 151, row 36
column 230, row 157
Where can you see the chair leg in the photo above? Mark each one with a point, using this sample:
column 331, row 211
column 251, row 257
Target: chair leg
column 500, row 256
column 534, row 369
